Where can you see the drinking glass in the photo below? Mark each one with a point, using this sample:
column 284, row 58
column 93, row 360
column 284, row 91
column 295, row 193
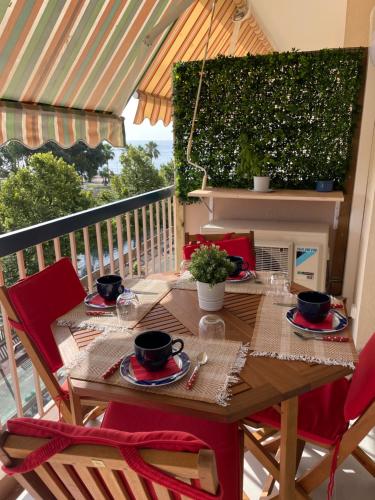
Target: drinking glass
column 184, row 266
column 280, row 284
column 280, row 288
column 127, row 305
column 211, row 326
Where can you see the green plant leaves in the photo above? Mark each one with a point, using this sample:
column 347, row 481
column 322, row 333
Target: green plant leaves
column 298, row 110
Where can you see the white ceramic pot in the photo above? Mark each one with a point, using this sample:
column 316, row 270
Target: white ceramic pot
column 210, row 298
column 261, row 183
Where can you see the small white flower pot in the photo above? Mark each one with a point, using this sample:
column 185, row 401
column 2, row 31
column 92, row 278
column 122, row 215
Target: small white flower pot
column 261, row 183
column 210, row 298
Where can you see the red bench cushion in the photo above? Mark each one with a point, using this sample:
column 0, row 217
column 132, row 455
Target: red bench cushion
column 223, row 438
column 240, row 246
column 320, row 413
column 362, row 388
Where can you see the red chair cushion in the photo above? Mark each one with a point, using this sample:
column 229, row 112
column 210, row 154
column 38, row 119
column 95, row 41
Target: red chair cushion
column 320, row 413
column 240, row 246
column 40, row 299
column 63, row 435
column 362, row 388
column 223, row 438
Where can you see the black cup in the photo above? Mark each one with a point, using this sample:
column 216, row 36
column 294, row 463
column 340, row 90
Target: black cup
column 109, row 287
column 239, row 263
column 154, row 348
column 314, row 306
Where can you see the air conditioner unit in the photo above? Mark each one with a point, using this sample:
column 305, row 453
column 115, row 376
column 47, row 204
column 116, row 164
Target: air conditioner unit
column 303, row 245
column 274, row 256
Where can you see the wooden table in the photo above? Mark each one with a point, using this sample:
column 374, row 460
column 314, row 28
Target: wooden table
column 264, row 381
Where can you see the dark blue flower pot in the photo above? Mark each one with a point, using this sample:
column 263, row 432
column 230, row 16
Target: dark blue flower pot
column 324, row 186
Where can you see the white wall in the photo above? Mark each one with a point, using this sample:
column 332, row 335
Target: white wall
column 302, row 24
column 360, row 261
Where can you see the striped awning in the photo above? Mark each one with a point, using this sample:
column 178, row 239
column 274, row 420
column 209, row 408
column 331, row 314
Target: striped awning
column 186, row 42
column 69, row 67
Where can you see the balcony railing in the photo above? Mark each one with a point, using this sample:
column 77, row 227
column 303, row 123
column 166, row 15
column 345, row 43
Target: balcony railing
column 132, row 237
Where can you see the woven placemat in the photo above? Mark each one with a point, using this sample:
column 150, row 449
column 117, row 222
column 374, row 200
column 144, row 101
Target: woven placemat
column 149, row 292
column 225, row 360
column 273, row 336
column 257, row 286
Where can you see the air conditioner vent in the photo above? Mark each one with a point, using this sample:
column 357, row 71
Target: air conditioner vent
column 270, row 257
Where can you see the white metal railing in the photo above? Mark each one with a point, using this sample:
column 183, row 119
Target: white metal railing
column 133, row 237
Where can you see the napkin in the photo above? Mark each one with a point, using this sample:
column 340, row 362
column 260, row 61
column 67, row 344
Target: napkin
column 140, row 372
column 326, row 324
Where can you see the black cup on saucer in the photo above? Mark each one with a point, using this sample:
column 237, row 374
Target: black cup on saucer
column 154, row 348
column 240, row 265
column 109, row 287
column 314, row 306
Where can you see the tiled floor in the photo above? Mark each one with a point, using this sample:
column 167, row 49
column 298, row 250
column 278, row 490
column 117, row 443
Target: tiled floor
column 352, row 481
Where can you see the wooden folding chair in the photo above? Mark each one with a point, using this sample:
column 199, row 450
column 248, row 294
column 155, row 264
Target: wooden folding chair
column 42, row 365
column 108, row 464
column 348, row 401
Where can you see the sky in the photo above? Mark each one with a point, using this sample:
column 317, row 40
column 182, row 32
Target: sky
column 144, row 131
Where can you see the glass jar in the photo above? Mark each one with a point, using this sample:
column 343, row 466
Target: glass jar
column 127, row 305
column 211, row 326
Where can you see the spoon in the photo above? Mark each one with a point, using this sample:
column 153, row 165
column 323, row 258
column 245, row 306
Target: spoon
column 327, row 338
column 201, row 360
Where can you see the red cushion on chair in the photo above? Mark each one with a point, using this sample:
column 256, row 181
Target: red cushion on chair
column 222, row 438
column 320, row 413
column 362, row 388
column 40, row 299
column 240, row 246
column 64, row 435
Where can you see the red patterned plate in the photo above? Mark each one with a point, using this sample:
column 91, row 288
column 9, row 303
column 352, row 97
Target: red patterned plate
column 97, row 301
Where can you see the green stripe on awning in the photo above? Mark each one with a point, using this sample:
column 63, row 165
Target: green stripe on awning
column 34, row 125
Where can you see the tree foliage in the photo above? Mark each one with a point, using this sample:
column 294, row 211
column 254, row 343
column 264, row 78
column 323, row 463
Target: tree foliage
column 86, row 160
column 167, row 172
column 138, row 174
column 151, row 149
column 46, row 188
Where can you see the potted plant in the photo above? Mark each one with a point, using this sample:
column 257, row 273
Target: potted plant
column 210, row 267
column 253, row 165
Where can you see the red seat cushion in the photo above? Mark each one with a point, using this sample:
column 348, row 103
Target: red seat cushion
column 222, row 438
column 64, row 435
column 362, row 388
column 40, row 299
column 320, row 413
column 240, row 246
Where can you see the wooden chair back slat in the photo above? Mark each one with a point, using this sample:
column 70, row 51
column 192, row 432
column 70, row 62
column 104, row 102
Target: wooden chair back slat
column 114, row 483
column 89, row 471
column 53, row 482
column 161, row 492
column 71, row 480
column 92, row 482
column 137, row 485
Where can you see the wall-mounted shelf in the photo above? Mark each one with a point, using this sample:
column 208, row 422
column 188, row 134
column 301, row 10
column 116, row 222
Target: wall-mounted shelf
column 277, row 194
column 304, row 195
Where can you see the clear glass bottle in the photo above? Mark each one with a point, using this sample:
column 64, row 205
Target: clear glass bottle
column 211, row 326
column 127, row 305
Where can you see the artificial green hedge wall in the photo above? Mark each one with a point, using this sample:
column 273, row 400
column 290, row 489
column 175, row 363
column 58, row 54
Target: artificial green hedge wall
column 300, row 108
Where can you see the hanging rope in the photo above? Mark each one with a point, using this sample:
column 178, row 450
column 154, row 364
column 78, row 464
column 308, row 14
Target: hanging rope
column 190, row 141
